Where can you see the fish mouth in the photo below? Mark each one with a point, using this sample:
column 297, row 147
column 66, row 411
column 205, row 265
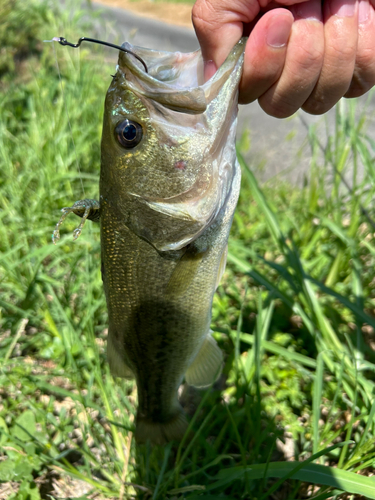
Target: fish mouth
column 175, row 79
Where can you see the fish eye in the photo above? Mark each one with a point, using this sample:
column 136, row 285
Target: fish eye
column 128, row 133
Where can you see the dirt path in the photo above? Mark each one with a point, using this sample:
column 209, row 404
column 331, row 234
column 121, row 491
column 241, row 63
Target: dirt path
column 171, row 13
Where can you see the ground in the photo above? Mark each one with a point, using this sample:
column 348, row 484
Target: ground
column 172, row 13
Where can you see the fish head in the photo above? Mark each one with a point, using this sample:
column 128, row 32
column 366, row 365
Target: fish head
column 168, row 144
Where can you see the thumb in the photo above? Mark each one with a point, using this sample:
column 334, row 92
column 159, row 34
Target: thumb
column 219, row 25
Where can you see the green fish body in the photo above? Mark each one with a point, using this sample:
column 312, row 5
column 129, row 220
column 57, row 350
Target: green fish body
column 169, row 185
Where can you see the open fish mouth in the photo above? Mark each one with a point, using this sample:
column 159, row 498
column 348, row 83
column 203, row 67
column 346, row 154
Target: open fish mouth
column 175, row 79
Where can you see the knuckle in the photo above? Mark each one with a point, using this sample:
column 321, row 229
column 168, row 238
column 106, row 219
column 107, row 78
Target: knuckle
column 366, row 58
column 360, row 85
column 197, row 11
column 276, row 108
column 198, row 14
column 305, row 68
column 204, row 15
column 310, row 57
column 342, row 52
column 317, row 106
column 355, row 91
column 364, row 74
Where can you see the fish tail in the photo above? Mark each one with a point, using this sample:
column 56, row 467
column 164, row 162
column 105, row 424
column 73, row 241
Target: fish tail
column 161, row 433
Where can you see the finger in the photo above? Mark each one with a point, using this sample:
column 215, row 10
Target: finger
column 364, row 71
column 265, row 54
column 219, row 25
column 340, row 37
column 304, row 60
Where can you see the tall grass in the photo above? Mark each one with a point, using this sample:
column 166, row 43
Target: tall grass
column 294, row 316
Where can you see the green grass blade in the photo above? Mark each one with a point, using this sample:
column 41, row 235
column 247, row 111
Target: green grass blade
column 311, row 473
column 272, row 221
column 167, row 452
column 317, row 399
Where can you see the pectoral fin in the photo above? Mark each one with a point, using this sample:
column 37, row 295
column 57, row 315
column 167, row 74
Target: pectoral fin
column 206, row 367
column 223, row 263
column 184, row 272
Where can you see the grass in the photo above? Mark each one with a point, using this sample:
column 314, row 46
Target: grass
column 294, row 315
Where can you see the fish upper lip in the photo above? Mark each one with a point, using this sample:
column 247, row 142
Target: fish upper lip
column 188, row 98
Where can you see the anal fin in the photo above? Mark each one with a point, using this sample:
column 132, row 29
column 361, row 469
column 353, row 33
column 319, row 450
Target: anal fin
column 206, row 367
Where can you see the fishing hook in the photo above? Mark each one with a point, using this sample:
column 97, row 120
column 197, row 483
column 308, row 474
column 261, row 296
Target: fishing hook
column 64, row 41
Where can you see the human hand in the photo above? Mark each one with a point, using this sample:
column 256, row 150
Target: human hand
column 300, row 54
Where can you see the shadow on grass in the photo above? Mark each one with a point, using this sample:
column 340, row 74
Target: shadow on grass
column 227, row 432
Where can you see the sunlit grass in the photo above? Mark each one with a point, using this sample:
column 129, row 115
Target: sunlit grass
column 294, row 316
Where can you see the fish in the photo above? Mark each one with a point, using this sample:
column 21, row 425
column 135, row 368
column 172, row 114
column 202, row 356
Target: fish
column 169, row 185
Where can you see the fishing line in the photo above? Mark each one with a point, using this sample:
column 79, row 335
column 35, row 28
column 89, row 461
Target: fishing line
column 67, row 112
column 63, row 41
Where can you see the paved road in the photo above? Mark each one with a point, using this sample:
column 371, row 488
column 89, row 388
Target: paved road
column 279, row 148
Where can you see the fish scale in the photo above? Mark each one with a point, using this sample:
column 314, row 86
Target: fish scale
column 169, row 186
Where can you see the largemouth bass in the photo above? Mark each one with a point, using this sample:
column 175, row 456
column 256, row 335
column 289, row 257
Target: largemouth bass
column 169, row 185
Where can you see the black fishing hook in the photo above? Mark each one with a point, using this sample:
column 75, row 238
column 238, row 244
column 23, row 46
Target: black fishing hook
column 64, row 41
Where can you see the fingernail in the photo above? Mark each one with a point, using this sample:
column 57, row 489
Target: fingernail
column 363, row 11
column 209, row 70
column 343, row 8
column 310, row 11
column 279, row 31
